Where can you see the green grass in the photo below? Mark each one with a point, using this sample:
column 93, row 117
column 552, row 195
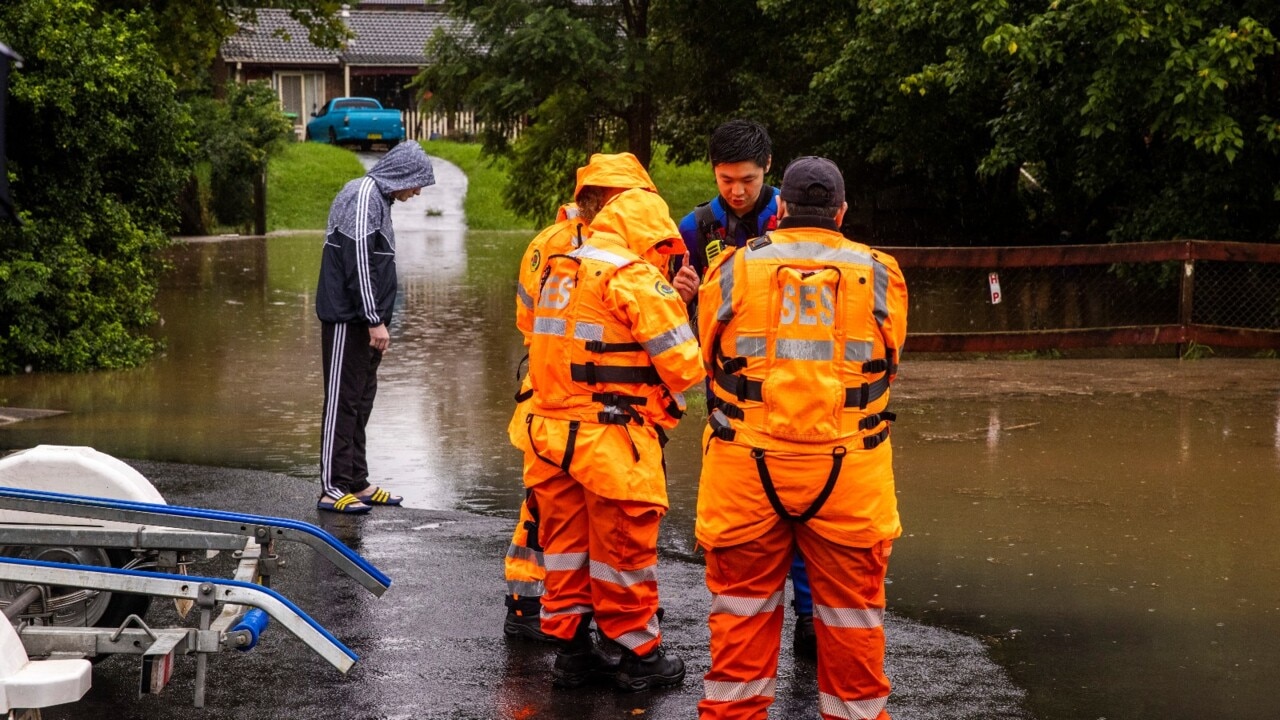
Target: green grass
column 302, row 182
column 682, row 186
column 485, row 180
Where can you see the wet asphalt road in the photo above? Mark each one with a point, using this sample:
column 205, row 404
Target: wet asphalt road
column 432, row 646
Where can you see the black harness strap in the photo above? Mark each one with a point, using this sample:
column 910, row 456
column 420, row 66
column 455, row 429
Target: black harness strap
column 597, row 346
column 875, row 419
column 871, row 442
column 738, row 385
column 837, row 459
column 531, row 526
column 568, row 449
column 866, row 393
column 593, row 374
column 570, row 444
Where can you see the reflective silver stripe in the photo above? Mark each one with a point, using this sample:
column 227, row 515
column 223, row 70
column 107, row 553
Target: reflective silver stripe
column 803, row 349
column 725, row 691
column 851, row 709
column 595, row 253
column 850, row 617
column 635, row 639
column 523, row 295
column 725, row 313
column 549, row 326
column 857, row 350
column 815, row 251
column 526, row 588
column 519, row 552
column 881, row 282
column 669, row 339
column 750, row 346
column 588, row 331
column 718, row 420
column 564, row 561
column 745, row 606
column 678, row 398
column 575, row 610
column 625, row 578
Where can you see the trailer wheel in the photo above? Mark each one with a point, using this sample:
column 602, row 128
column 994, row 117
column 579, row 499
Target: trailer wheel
column 78, row 607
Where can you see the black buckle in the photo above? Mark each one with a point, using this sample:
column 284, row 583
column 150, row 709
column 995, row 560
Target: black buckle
column 733, row 365
column 595, row 346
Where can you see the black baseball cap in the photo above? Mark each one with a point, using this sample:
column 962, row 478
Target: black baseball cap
column 812, row 180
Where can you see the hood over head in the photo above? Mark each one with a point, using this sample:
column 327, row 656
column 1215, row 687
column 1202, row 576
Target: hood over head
column 642, row 220
column 404, row 166
column 619, row 170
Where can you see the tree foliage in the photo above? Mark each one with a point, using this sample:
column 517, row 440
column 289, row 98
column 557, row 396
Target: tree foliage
column 999, row 121
column 97, row 149
column 578, row 77
column 236, row 135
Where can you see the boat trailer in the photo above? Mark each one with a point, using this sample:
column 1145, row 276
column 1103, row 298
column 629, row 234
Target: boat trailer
column 58, row 582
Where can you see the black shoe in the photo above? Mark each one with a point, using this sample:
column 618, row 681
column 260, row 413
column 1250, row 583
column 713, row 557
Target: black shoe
column 524, row 619
column 655, row 670
column 581, row 660
column 805, row 642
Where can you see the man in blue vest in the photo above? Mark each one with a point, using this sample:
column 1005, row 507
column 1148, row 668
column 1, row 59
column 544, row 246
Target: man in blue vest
column 741, row 153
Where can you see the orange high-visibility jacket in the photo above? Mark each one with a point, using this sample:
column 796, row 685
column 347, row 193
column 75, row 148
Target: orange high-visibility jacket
column 611, row 339
column 801, row 334
column 560, row 237
column 801, row 331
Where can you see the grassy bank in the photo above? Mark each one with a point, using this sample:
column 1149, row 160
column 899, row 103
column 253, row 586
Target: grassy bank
column 483, row 204
column 302, row 181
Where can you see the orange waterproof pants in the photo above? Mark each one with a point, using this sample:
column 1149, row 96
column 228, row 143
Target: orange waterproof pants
column 522, row 565
column 601, row 556
column 746, row 584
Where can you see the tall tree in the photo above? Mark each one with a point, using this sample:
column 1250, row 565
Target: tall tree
column 575, row 76
column 97, row 151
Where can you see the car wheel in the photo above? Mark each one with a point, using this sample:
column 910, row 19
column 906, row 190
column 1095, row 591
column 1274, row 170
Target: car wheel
column 333, row 137
column 307, row 135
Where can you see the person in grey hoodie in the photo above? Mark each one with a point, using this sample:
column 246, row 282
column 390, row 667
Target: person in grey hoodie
column 354, row 300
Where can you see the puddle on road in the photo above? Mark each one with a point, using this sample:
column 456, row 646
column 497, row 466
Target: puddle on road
column 1116, row 550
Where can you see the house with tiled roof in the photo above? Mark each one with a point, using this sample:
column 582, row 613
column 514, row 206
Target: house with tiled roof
column 387, row 48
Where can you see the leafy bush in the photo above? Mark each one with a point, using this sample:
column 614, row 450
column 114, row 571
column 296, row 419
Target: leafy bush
column 236, row 137
column 97, row 151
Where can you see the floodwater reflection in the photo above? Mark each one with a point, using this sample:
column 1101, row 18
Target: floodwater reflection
column 1116, row 550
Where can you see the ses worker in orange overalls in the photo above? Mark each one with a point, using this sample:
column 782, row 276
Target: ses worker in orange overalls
column 523, row 564
column 801, row 331
column 610, row 352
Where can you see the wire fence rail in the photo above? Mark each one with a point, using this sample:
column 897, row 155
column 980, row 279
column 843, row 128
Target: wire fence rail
column 1178, row 293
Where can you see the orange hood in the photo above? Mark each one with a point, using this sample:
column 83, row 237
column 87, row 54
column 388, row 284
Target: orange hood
column 620, row 170
column 640, row 217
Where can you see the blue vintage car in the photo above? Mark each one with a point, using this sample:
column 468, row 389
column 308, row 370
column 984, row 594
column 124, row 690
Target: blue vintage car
column 356, row 120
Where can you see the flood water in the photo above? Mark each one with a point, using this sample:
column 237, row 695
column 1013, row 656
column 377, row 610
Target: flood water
column 1116, row 549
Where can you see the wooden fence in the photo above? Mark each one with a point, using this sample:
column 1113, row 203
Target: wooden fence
column 461, row 125
column 1238, row 305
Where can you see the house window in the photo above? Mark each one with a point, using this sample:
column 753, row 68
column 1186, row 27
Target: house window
column 301, row 93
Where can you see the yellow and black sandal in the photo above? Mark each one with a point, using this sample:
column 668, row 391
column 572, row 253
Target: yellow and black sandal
column 347, row 504
column 380, row 497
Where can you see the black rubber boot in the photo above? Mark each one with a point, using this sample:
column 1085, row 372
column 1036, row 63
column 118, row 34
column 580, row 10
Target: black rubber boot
column 577, row 662
column 805, row 641
column 524, row 619
column 655, row 670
